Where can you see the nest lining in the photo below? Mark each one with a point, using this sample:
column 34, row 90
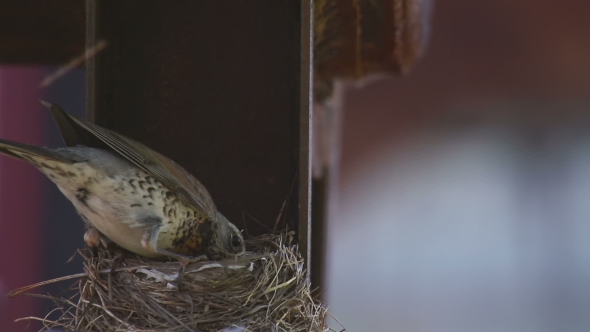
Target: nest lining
column 265, row 289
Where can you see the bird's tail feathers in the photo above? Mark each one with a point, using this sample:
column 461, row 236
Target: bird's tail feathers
column 30, row 153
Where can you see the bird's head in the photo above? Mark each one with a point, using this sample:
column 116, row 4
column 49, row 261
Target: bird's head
column 228, row 239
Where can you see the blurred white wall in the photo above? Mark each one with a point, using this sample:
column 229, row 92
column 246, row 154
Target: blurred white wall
column 466, row 228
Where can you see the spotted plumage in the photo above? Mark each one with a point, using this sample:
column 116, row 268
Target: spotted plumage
column 134, row 196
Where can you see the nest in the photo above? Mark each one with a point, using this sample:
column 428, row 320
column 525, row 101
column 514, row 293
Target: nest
column 265, row 289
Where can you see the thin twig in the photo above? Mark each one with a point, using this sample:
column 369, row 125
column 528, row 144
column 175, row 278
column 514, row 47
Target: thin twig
column 75, row 62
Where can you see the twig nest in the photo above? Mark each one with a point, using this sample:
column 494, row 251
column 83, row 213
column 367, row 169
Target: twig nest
column 265, row 289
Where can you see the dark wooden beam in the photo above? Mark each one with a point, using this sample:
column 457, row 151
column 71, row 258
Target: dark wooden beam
column 41, row 32
column 221, row 87
column 305, row 137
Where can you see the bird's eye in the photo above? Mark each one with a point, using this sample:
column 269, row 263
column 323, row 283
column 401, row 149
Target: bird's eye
column 236, row 241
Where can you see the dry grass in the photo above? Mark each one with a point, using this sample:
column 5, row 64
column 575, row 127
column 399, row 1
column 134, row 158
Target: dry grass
column 265, row 289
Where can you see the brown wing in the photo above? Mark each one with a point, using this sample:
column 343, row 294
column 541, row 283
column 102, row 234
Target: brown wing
column 75, row 131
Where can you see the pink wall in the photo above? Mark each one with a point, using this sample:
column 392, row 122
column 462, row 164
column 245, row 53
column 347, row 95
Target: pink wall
column 21, row 206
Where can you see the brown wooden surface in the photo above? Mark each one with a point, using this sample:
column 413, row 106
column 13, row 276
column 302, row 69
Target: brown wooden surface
column 41, row 32
column 306, row 241
column 216, row 86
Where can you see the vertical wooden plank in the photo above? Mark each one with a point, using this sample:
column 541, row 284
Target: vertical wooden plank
column 218, row 86
column 305, row 184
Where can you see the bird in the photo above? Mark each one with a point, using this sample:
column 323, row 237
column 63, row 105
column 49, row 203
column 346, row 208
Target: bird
column 135, row 197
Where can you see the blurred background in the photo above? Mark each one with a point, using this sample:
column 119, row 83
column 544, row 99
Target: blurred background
column 463, row 186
